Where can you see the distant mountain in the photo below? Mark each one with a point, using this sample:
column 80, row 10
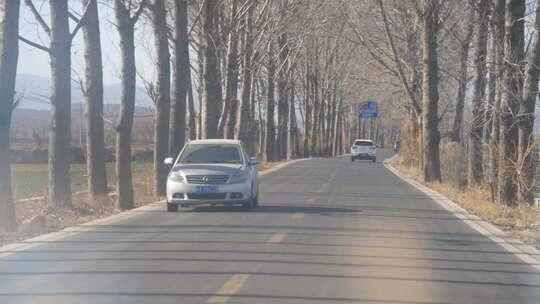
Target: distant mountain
column 35, row 91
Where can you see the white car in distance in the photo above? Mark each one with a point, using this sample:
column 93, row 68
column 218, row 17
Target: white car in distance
column 364, row 149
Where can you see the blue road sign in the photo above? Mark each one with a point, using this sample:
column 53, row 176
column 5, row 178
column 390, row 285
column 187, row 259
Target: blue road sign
column 368, row 109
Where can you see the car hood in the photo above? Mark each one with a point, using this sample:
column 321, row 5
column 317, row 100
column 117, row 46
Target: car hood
column 207, row 169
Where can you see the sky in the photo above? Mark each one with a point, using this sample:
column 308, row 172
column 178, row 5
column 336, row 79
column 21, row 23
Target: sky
column 36, row 62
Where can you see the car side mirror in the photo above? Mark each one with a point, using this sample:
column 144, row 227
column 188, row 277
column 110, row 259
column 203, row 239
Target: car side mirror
column 169, row 161
column 253, row 161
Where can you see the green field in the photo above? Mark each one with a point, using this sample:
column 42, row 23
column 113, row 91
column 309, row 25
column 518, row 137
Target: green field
column 30, row 180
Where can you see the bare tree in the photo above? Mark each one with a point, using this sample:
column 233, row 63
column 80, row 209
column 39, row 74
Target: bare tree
column 526, row 113
column 241, row 131
column 228, row 114
column 283, row 95
column 181, row 80
column 93, row 91
column 126, row 30
column 211, row 82
column 475, row 165
column 163, row 87
column 463, row 79
column 9, row 54
column 270, row 132
column 430, row 97
column 497, row 53
column 60, row 127
column 511, row 94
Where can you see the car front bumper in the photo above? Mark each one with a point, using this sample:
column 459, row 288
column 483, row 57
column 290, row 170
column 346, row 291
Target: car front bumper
column 187, row 191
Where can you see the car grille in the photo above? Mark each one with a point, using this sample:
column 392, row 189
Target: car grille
column 207, row 196
column 207, row 179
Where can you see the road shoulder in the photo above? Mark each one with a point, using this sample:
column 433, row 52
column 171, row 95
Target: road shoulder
column 526, row 253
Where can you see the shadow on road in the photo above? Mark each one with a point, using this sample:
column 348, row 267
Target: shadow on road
column 181, row 296
column 277, row 209
column 272, row 274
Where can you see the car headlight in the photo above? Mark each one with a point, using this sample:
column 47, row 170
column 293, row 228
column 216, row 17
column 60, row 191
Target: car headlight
column 177, row 177
column 239, row 176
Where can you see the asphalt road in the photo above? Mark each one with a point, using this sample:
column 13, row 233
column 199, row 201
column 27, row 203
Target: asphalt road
column 328, row 231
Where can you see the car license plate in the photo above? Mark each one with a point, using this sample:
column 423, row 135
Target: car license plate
column 207, row 189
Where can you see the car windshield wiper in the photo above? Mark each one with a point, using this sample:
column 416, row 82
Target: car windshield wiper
column 224, row 161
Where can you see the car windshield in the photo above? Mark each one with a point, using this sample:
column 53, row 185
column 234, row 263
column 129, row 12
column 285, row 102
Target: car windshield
column 363, row 143
column 211, row 153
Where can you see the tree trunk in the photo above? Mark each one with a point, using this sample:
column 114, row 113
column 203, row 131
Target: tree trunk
column 192, row 115
column 60, row 127
column 211, row 80
column 124, row 183
column 228, row 113
column 95, row 137
column 337, row 128
column 315, row 117
column 512, row 84
column 291, row 113
column 457, row 127
column 475, row 165
column 526, row 111
column 490, row 96
column 283, row 96
column 200, row 88
column 307, row 112
column 497, row 29
column 251, row 126
column 240, row 130
column 9, row 54
column 270, row 142
column 430, row 92
column 307, row 129
column 177, row 127
column 163, row 85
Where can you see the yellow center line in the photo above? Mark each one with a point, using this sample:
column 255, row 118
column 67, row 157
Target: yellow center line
column 277, row 238
column 229, row 288
column 298, row 215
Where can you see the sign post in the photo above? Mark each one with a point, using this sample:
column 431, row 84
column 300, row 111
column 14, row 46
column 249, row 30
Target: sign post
column 368, row 109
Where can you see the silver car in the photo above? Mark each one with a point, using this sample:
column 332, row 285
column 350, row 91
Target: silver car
column 212, row 172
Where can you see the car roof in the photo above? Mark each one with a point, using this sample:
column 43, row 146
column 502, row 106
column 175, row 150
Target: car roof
column 364, row 140
column 215, row 141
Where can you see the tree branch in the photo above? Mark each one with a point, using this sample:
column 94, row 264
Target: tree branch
column 139, row 11
column 36, row 45
column 73, row 17
column 38, row 17
column 81, row 21
column 410, row 94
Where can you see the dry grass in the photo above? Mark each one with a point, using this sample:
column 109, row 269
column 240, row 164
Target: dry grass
column 522, row 221
column 267, row 165
column 38, row 216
